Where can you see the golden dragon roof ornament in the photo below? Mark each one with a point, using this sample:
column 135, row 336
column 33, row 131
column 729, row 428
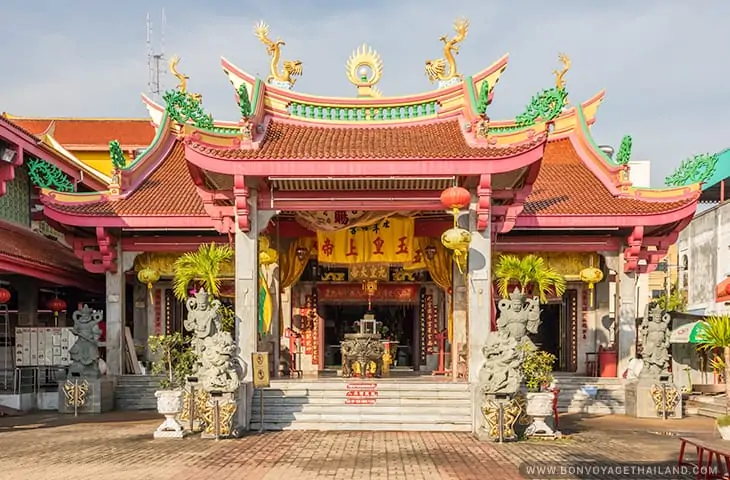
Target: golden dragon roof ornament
column 364, row 70
column 444, row 69
column 286, row 77
column 182, row 87
column 560, row 75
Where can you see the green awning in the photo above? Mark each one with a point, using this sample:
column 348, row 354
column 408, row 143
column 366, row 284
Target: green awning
column 688, row 333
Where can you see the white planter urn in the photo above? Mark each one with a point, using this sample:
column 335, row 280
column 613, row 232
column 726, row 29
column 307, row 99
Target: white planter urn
column 169, row 404
column 540, row 407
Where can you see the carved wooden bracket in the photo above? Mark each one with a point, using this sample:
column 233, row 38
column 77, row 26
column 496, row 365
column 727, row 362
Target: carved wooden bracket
column 484, row 201
column 99, row 255
column 649, row 250
column 241, row 195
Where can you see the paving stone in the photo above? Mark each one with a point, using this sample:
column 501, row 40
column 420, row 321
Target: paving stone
column 119, row 446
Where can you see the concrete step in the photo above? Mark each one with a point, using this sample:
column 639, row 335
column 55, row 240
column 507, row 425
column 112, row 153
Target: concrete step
column 375, row 409
column 364, row 426
column 381, row 400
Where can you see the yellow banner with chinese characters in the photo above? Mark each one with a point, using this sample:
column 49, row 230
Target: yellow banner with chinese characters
column 388, row 241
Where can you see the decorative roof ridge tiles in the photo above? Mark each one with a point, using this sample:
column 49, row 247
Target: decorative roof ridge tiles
column 568, row 190
column 168, row 191
column 89, row 133
column 285, row 140
column 157, row 112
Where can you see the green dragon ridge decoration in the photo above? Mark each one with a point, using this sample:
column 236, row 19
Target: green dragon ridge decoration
column 546, row 105
column 185, row 107
column 244, row 104
column 47, row 175
column 483, row 101
column 623, row 156
column 699, row 168
column 117, row 155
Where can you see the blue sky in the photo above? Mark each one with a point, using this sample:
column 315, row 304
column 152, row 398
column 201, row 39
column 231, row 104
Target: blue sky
column 664, row 63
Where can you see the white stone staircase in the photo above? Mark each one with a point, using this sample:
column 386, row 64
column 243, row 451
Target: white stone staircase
column 324, row 404
column 576, row 394
column 136, row 392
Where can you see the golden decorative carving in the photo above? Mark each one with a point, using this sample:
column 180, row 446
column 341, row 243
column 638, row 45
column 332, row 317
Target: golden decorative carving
column 164, row 264
column 567, row 264
column 403, row 276
column 201, row 397
column 333, row 277
column 182, row 78
column 560, row 75
column 291, row 68
column 226, row 410
column 75, row 392
column 368, row 271
column 665, row 399
column 444, row 69
column 364, row 70
column 513, row 410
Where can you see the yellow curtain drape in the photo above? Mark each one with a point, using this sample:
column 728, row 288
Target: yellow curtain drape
column 442, row 272
column 291, row 268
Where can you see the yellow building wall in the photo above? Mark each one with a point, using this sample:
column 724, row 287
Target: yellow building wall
column 97, row 160
column 657, row 279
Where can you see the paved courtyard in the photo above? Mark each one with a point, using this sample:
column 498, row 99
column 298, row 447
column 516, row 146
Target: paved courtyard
column 120, row 446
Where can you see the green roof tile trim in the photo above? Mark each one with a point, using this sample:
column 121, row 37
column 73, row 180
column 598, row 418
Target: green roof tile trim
column 587, row 132
column 472, row 94
column 722, row 170
column 161, row 129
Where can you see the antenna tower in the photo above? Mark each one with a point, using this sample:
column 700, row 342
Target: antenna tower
column 156, row 68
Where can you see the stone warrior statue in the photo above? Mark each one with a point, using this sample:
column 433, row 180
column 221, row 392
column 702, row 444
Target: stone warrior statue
column 214, row 348
column 85, row 351
column 655, row 334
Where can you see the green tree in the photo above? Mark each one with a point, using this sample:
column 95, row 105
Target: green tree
column 532, row 275
column 714, row 334
column 676, row 301
column 202, row 266
column 176, row 359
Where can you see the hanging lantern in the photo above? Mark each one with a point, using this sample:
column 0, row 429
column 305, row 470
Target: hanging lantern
column 430, row 252
column 5, row 295
column 455, row 197
column 56, row 305
column 148, row 276
column 457, row 240
column 302, row 253
column 591, row 276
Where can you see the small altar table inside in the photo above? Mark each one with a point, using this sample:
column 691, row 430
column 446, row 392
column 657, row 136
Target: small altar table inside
column 363, row 350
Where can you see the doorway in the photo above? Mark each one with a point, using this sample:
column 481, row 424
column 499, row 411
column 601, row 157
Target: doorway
column 555, row 334
column 398, row 325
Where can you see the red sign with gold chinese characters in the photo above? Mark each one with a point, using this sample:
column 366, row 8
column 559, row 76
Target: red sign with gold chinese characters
column 394, row 293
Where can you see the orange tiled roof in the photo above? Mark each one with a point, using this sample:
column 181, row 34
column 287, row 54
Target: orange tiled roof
column 92, row 132
column 168, row 190
column 437, row 140
column 566, row 186
column 30, row 246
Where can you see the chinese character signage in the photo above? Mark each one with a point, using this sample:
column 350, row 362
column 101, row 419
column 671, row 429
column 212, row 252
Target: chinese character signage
column 388, row 241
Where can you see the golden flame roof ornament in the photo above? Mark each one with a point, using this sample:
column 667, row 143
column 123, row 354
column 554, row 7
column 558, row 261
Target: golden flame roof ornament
column 444, row 69
column 286, row 77
column 364, row 70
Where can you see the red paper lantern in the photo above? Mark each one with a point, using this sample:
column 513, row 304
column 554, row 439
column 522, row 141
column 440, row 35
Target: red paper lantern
column 56, row 305
column 455, row 197
column 4, row 295
column 727, row 289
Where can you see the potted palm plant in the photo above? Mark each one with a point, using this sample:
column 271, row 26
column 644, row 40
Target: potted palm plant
column 530, row 274
column 715, row 334
column 174, row 362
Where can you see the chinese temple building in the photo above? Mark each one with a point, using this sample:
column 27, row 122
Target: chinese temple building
column 347, row 201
